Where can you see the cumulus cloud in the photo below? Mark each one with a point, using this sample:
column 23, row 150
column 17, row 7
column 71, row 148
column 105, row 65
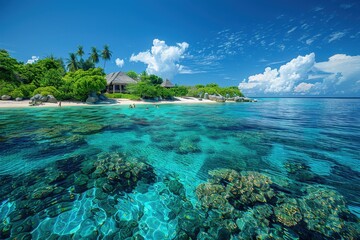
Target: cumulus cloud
column 343, row 74
column 340, row 75
column 282, row 80
column 303, row 87
column 119, row 62
column 162, row 60
column 32, row 60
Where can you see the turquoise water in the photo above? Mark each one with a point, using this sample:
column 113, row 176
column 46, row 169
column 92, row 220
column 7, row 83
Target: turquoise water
column 278, row 167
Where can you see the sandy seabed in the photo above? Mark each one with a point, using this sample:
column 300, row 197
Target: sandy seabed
column 122, row 102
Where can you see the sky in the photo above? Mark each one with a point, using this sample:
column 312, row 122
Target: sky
column 266, row 48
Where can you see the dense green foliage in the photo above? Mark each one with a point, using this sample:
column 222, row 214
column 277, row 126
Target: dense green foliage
column 94, row 55
column 73, row 63
column 77, row 85
column 132, row 74
column 50, row 90
column 48, row 76
column 146, row 90
column 8, row 67
column 152, row 79
column 122, row 95
column 213, row 88
column 149, row 87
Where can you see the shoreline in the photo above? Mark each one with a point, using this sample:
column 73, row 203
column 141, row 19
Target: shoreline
column 116, row 102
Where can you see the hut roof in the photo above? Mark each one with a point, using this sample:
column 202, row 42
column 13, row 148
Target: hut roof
column 167, row 83
column 118, row 78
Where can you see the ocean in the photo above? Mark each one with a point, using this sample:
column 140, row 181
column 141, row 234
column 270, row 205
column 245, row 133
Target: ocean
column 280, row 167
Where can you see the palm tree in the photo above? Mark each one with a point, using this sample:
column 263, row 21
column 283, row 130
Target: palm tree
column 80, row 51
column 94, row 55
column 106, row 54
column 72, row 64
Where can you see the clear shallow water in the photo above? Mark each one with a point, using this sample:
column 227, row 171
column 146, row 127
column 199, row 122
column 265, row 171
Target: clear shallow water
column 56, row 167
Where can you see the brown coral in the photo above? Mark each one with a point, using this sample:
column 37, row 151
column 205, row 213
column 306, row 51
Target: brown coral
column 288, row 213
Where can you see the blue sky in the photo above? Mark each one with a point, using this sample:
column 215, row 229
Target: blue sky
column 268, row 48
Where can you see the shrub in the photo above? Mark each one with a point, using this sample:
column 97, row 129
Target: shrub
column 122, row 95
column 6, row 88
column 179, row 91
column 81, row 83
column 17, row 93
column 47, row 91
column 27, row 90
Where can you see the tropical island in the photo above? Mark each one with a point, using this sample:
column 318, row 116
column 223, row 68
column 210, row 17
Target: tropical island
column 78, row 79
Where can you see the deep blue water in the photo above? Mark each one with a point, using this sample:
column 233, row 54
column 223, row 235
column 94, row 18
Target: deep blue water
column 113, row 171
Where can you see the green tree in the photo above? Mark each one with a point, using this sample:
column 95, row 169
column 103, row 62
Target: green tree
column 215, row 85
column 6, row 87
column 52, row 77
column 106, row 54
column 34, row 73
column 143, row 89
column 132, row 74
column 27, row 90
column 179, row 91
column 88, row 64
column 8, row 67
column 72, row 63
column 94, row 55
column 80, row 51
column 17, row 93
column 79, row 84
column 49, row 90
column 155, row 79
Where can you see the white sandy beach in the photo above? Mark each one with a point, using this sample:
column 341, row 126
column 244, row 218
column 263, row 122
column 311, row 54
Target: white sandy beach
column 122, row 102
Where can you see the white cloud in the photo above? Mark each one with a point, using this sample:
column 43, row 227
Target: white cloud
column 282, row 47
column 312, row 39
column 303, row 87
column 340, row 75
column 119, row 62
column 336, row 36
column 346, row 6
column 33, row 59
column 291, row 30
column 343, row 71
column 162, row 59
column 309, row 41
column 282, row 80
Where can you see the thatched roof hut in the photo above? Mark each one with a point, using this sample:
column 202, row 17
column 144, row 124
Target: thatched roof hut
column 167, row 84
column 117, row 81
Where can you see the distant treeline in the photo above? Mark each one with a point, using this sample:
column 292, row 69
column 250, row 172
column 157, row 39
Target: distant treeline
column 79, row 77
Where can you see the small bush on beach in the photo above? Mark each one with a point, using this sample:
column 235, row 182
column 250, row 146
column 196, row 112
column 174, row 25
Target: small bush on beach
column 6, row 88
column 212, row 88
column 17, row 93
column 47, row 91
column 122, row 95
